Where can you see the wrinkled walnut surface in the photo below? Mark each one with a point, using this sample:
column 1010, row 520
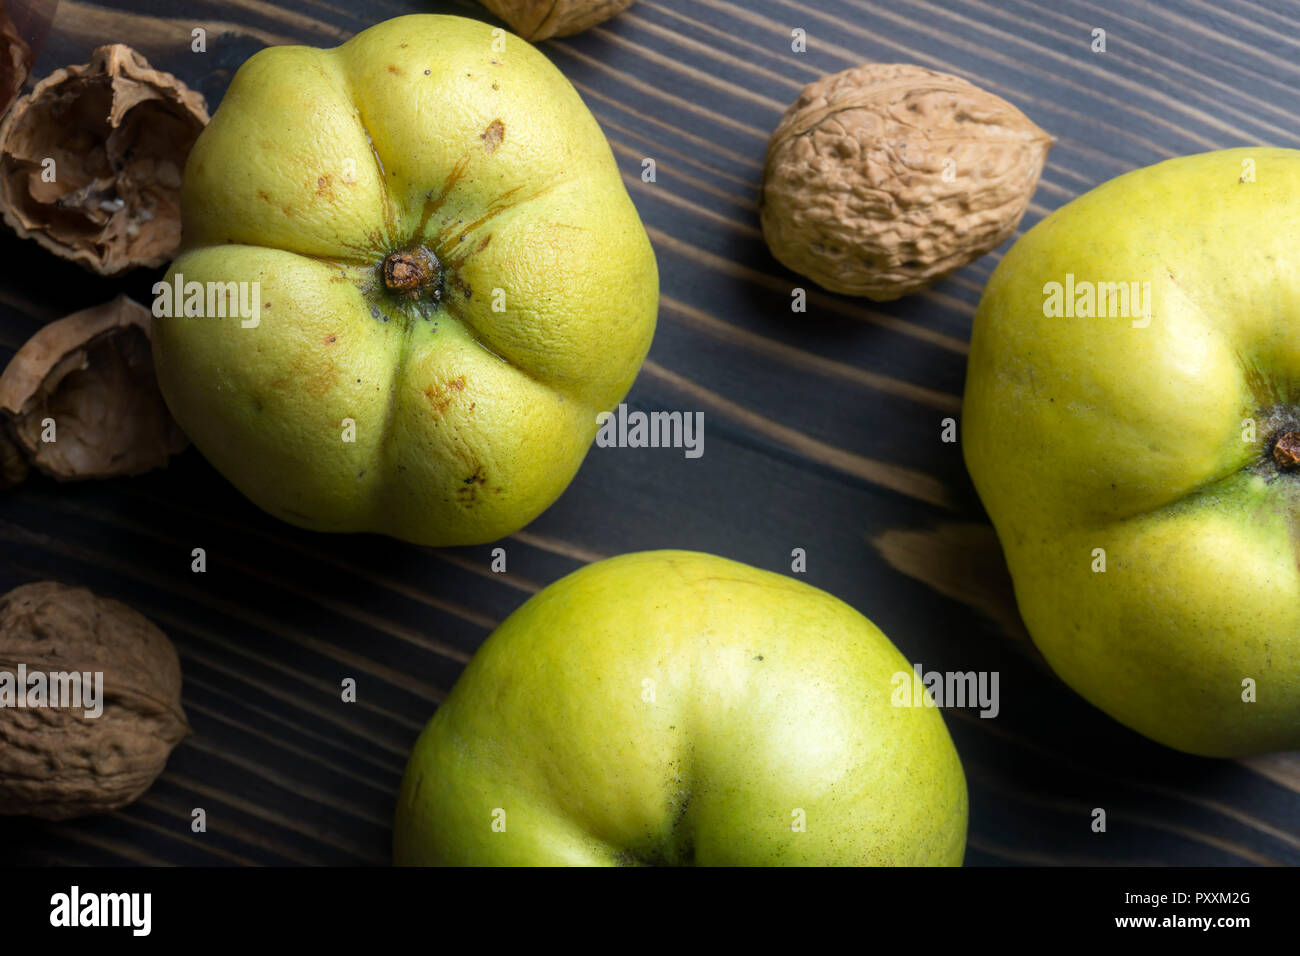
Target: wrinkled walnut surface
column 854, row 191
column 535, row 20
column 57, row 763
column 119, row 133
column 92, row 373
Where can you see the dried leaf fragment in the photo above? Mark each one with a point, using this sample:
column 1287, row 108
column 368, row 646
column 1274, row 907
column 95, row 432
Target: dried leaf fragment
column 62, row 762
column 118, row 133
column 884, row 178
column 536, row 20
column 88, row 382
column 15, row 60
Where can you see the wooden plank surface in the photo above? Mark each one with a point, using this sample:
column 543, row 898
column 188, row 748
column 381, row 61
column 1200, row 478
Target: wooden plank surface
column 822, row 432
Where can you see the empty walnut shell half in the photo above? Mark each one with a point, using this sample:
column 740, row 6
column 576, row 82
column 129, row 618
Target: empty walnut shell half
column 91, row 161
column 15, row 60
column 80, row 399
column 58, row 762
column 884, row 178
column 535, row 20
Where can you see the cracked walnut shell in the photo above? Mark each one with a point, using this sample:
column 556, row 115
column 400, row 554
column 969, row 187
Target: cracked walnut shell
column 91, row 375
column 91, row 161
column 15, row 60
column 884, row 178
column 536, row 20
column 63, row 762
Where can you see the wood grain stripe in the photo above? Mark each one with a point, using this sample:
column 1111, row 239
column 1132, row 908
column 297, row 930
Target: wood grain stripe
column 124, row 851
column 807, row 361
column 306, row 828
column 824, row 301
column 295, row 784
column 904, row 481
column 225, row 828
column 292, row 731
column 172, row 624
column 352, row 661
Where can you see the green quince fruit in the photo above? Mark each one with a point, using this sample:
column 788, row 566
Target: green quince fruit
column 1130, row 423
column 450, row 279
column 670, row 707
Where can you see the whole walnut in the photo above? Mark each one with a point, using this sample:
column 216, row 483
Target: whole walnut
column 884, row 178
column 61, row 762
column 535, row 20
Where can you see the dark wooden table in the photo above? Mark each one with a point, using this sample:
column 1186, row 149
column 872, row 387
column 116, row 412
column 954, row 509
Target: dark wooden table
column 822, row 432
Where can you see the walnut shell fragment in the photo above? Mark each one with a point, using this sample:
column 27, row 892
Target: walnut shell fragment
column 13, row 461
column 536, row 20
column 15, row 60
column 87, row 381
column 884, row 178
column 118, row 133
column 62, row 762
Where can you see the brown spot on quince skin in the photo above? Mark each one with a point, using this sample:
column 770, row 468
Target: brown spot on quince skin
column 440, row 396
column 467, row 493
column 317, row 379
column 493, row 135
